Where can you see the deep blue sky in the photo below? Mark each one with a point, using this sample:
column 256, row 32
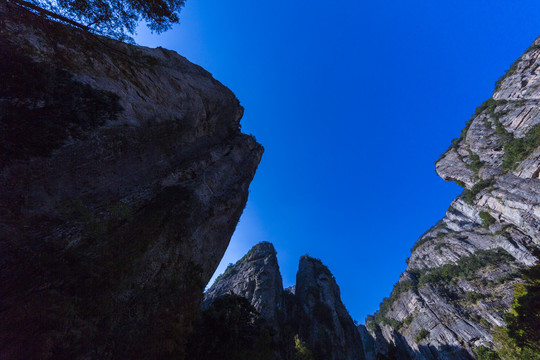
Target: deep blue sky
column 353, row 102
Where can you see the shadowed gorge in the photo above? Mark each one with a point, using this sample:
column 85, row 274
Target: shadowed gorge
column 124, row 173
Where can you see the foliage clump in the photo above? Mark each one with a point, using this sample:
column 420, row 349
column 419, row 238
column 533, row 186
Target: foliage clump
column 301, row 350
column 487, row 219
column 465, row 267
column 485, row 353
column 386, row 304
column 520, row 339
column 421, row 335
column 470, row 195
column 117, row 18
column 473, row 297
column 475, row 163
column 519, row 149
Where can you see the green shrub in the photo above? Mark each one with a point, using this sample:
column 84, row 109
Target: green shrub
column 302, row 352
column 485, row 353
column 523, row 320
column 473, row 297
column 421, row 335
column 229, row 271
column 470, row 195
column 512, row 69
column 485, row 323
column 408, row 320
column 465, row 267
column 371, row 324
column 421, row 242
column 516, row 150
column 387, row 302
column 475, row 163
column 487, row 219
column 393, row 323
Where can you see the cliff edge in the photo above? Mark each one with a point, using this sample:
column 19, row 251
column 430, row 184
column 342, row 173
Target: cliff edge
column 123, row 175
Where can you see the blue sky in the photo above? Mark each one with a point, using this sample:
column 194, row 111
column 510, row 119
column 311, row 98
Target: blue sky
column 353, row 102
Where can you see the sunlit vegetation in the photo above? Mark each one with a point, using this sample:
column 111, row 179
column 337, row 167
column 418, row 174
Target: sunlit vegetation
column 302, row 352
column 520, row 339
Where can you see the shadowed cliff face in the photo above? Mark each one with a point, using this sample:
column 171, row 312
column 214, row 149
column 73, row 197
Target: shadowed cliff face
column 123, row 175
column 325, row 323
column 257, row 278
column 461, row 274
column 313, row 311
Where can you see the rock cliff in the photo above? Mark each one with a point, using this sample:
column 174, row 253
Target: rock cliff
column 257, row 278
column 311, row 310
column 123, row 175
column 461, row 274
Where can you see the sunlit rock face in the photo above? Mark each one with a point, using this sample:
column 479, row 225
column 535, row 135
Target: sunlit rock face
column 123, row 176
column 461, row 274
column 311, row 310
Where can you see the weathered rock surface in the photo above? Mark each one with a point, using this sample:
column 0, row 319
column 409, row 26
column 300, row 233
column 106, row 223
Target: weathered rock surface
column 123, row 173
column 257, row 278
column 460, row 276
column 325, row 323
column 312, row 309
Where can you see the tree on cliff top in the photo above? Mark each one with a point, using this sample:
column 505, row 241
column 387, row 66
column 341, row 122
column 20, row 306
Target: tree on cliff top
column 117, row 18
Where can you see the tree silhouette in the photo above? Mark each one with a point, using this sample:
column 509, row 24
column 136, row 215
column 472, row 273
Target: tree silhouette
column 116, row 18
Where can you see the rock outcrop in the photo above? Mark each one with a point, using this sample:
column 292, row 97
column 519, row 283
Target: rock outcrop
column 123, row 175
column 257, row 278
column 311, row 310
column 461, row 274
column 324, row 321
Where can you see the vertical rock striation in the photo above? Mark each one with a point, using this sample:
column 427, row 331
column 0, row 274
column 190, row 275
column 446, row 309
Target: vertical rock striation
column 123, row 173
column 461, row 274
column 324, row 321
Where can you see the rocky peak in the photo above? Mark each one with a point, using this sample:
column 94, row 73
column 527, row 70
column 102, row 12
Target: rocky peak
column 325, row 323
column 311, row 309
column 257, row 278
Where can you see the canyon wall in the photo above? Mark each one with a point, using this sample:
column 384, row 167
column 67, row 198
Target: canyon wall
column 123, row 175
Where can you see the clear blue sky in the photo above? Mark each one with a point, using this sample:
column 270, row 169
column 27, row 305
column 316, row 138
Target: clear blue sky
column 353, row 102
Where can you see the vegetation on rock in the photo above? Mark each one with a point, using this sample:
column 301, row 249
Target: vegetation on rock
column 421, row 335
column 302, row 352
column 470, row 195
column 487, row 219
column 520, row 339
column 516, row 150
column 465, row 267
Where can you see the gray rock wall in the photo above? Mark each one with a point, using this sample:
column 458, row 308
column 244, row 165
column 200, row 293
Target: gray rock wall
column 124, row 179
column 442, row 316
